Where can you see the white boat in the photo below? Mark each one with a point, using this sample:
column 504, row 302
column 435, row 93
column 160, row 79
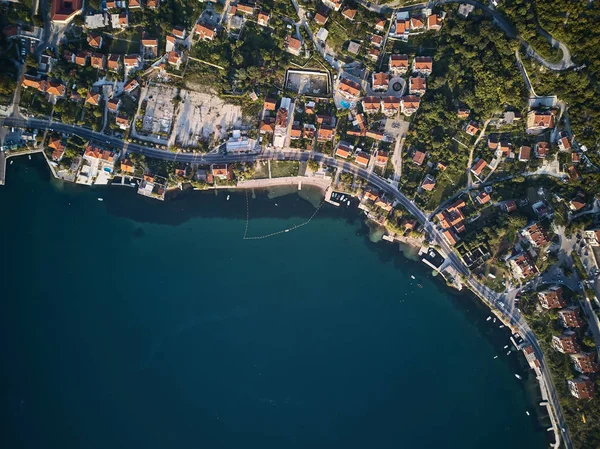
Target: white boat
column 132, row 184
column 495, row 357
column 287, row 230
column 100, row 199
column 518, row 377
column 501, row 326
column 348, row 203
column 508, row 353
column 527, row 412
column 227, row 197
column 506, row 347
column 494, row 320
column 488, row 318
column 412, row 277
column 29, row 157
column 11, row 162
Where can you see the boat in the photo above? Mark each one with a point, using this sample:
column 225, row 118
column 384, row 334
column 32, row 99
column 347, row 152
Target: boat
column 508, row 353
column 419, row 285
column 11, row 162
column 494, row 320
column 412, row 277
column 495, row 357
column 527, row 412
column 228, row 197
column 287, row 230
column 348, row 203
column 29, row 157
column 488, row 318
column 276, row 204
column 132, row 184
column 506, row 347
column 501, row 326
column 518, row 377
column 100, row 199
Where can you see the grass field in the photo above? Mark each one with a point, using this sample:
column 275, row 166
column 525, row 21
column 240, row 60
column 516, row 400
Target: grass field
column 280, row 169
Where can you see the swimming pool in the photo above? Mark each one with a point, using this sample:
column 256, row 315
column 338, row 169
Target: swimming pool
column 345, row 104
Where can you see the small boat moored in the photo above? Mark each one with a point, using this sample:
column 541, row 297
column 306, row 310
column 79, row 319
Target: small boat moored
column 518, row 377
column 100, row 199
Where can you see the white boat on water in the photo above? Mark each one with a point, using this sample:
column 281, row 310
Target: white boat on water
column 100, row 199
column 228, row 197
column 506, row 347
column 348, row 203
column 11, row 162
column 494, row 320
column 495, row 357
column 412, row 277
column 508, row 353
column 29, row 157
column 501, row 326
column 527, row 412
column 488, row 318
column 518, row 377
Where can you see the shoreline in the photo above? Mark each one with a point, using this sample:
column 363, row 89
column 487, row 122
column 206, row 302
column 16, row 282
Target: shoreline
column 413, row 244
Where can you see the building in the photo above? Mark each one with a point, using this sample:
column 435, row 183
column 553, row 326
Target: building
column 131, row 61
column 63, row 11
column 539, row 121
column 423, row 65
column 541, row 149
column 122, row 121
column 483, row 198
column 113, row 62
column 419, row 157
column 270, row 104
column 577, row 203
column 478, row 167
column 221, row 171
column 522, row 266
column 592, row 237
column 320, row 19
column 417, row 85
column 380, row 81
column 472, row 128
column 178, row 32
column 380, row 24
column 293, row 45
column 325, row 133
column 381, row 158
column 564, row 144
column 566, row 343
column 205, row 32
column 409, row 104
column 263, row 19
column 570, row 317
column 131, row 85
column 98, row 61
column 428, row 183
column 238, row 143
column 434, row 22
column 342, row 150
column 362, row 159
column 113, row 105
column 376, row 40
column 333, row 4
column 103, row 158
column 524, row 153
column 584, row 363
column 371, row 104
column 127, row 166
column 93, row 98
column 349, row 14
column 349, row 89
column 390, row 105
column 536, row 235
column 581, row 388
column 135, row 4
column 57, row 147
column 94, row 40
column 281, row 123
column 552, row 298
column 509, row 206
column 450, row 237
column 398, row 64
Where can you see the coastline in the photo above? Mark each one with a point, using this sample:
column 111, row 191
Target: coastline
column 412, row 243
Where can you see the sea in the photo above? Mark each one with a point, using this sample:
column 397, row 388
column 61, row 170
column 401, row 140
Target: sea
column 135, row 323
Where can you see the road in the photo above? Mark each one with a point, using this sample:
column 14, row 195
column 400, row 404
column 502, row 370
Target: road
column 496, row 300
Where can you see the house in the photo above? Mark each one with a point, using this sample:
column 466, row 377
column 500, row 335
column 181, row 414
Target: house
column 245, row 9
column 400, row 28
column 131, row 85
column 563, row 143
column 281, row 123
column 181, row 170
column 434, row 22
column 322, row 35
column 98, row 61
column 309, row 131
column 205, row 32
column 293, row 45
column 320, row 19
column 450, row 237
column 398, row 64
column 573, row 173
column 342, row 150
column 463, row 113
column 131, row 61
column 376, row 40
column 81, row 58
column 97, row 155
column 428, row 183
column 54, row 88
column 390, row 105
column 353, row 47
column 64, row 10
column 113, row 105
column 270, row 104
column 325, row 133
column 93, row 98
column 577, row 203
column 296, row 132
column 477, row 169
column 380, row 24
column 423, row 65
column 349, row 89
column 539, row 121
column 135, row 4
column 169, row 43
column 380, row 81
column 174, row 58
column 410, row 104
column 465, row 9
column 221, row 171
column 483, row 198
column 113, row 62
column 472, row 128
column 122, row 121
column 552, row 298
column 371, row 104
column 152, row 4
column 417, row 85
column 263, row 19
column 381, row 158
column 178, row 32
column 541, row 149
column 372, row 134
column 453, row 216
column 509, row 206
column 127, row 166
column 592, row 237
column 524, row 153
column 419, row 157
column 58, row 148
column 575, row 157
column 504, row 149
column 584, row 363
column 267, row 126
column 374, row 54
column 566, row 343
column 333, row 4
column 416, row 23
column 362, row 159
column 349, row 13
column 120, row 20
column 536, row 235
column 581, row 387
column 522, row 266
column 570, row 317
column 94, row 40
column 384, row 204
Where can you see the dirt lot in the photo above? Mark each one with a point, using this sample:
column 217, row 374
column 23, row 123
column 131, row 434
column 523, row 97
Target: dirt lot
column 201, row 115
column 159, row 110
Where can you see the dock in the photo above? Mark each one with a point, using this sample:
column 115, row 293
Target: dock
column 2, row 168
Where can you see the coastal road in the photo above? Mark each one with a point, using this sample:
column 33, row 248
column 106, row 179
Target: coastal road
column 496, row 300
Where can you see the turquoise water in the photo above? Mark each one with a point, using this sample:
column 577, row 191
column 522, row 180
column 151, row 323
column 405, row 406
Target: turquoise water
column 138, row 323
